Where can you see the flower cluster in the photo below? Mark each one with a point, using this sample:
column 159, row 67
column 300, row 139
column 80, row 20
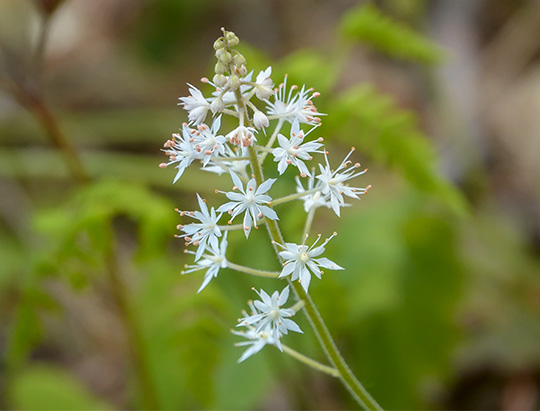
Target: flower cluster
column 268, row 121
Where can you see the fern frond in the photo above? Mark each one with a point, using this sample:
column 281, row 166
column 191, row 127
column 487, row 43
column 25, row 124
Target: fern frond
column 368, row 25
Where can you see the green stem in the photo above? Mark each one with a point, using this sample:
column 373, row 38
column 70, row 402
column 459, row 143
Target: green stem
column 309, row 221
column 294, row 196
column 272, row 138
column 252, row 271
column 357, row 390
column 310, row 362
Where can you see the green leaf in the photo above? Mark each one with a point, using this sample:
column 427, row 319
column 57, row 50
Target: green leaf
column 47, row 388
column 369, row 26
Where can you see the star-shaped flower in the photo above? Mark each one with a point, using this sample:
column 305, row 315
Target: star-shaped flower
column 256, row 341
column 301, row 262
column 204, row 233
column 181, row 151
column 333, row 186
column 294, row 150
column 211, row 262
column 269, row 315
column 196, row 105
column 250, row 200
column 294, row 107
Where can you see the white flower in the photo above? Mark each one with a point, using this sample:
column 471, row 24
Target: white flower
column 250, row 200
column 195, row 104
column 204, row 233
column 333, row 185
column 297, row 107
column 256, row 341
column 269, row 315
column 260, row 120
column 264, row 84
column 300, row 261
column 208, row 143
column 210, row 262
column 242, row 136
column 312, row 200
column 181, row 150
column 293, row 150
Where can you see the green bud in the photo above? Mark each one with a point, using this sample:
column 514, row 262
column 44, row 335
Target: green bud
column 239, row 60
column 219, row 44
column 220, row 68
column 220, row 52
column 220, row 80
column 225, row 57
column 232, row 39
column 234, row 82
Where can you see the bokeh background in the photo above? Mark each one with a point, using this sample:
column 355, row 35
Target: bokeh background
column 439, row 305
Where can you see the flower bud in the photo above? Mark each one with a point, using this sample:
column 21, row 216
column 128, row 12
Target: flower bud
column 220, row 52
column 239, row 60
column 225, row 57
column 220, row 68
column 234, row 82
column 232, row 39
column 220, row 80
column 219, row 44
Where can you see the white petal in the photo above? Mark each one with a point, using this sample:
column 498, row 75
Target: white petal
column 287, row 269
column 265, row 186
column 283, row 297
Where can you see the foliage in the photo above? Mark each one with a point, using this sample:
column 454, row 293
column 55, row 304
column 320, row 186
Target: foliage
column 369, row 26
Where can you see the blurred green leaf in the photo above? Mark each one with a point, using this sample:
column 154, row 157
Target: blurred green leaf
column 402, row 284
column 310, row 68
column 79, row 232
column 371, row 121
column 370, row 26
column 43, row 387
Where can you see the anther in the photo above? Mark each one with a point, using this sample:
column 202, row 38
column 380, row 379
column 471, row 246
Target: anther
column 163, row 165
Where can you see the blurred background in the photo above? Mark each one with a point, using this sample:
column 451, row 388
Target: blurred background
column 439, row 305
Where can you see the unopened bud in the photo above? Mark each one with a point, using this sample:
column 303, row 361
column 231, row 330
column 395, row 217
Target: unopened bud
column 239, row 60
column 220, row 68
column 225, row 57
column 232, row 39
column 219, row 44
column 234, row 82
column 220, row 80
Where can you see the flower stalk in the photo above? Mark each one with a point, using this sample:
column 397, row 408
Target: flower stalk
column 268, row 321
